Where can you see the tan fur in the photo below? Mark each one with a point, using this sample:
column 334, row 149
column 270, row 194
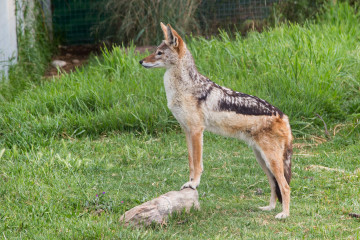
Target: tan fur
column 163, row 27
column 150, row 58
column 199, row 104
column 180, row 47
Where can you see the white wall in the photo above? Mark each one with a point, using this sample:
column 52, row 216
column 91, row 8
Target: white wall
column 8, row 42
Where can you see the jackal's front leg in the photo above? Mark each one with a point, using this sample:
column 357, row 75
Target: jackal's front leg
column 194, row 142
column 190, row 155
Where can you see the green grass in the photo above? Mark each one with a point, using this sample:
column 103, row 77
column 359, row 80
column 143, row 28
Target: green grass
column 50, row 192
column 106, row 128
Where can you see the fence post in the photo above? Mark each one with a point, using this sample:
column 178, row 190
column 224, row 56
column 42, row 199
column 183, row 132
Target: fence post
column 8, row 40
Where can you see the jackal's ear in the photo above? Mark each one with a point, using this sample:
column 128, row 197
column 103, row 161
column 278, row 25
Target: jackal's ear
column 163, row 27
column 174, row 38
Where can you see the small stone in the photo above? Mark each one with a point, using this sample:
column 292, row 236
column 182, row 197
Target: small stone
column 75, row 61
column 259, row 191
column 58, row 63
column 354, row 215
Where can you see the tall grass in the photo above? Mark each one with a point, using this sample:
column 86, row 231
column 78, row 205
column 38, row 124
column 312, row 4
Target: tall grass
column 113, row 93
column 303, row 70
column 138, row 20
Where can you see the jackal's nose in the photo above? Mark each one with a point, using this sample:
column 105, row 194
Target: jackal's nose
column 141, row 61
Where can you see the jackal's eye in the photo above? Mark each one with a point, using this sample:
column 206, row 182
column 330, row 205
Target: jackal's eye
column 159, row 52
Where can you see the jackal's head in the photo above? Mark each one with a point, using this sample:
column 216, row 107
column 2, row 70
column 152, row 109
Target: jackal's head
column 168, row 53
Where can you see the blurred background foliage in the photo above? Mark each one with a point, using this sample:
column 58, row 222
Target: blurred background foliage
column 137, row 21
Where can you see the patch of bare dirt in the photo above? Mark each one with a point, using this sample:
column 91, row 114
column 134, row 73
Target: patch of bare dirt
column 143, row 49
column 78, row 55
column 74, row 56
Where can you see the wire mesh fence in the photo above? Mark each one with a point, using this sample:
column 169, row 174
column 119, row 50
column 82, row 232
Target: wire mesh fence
column 73, row 20
column 236, row 10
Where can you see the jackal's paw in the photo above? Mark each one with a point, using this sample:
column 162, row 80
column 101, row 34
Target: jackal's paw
column 267, row 208
column 282, row 215
column 190, row 184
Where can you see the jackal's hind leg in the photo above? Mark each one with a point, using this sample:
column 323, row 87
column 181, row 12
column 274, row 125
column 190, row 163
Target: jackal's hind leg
column 270, row 177
column 276, row 167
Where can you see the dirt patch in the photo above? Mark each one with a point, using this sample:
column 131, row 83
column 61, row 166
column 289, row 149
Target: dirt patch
column 143, row 49
column 78, row 55
column 74, row 56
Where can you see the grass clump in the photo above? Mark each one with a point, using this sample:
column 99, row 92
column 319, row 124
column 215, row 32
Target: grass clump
column 112, row 94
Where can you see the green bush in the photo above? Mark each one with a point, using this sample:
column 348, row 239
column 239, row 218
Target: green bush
column 304, row 10
column 297, row 11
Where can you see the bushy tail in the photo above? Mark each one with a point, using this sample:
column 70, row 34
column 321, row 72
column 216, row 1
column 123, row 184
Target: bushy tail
column 287, row 162
column 287, row 170
column 277, row 190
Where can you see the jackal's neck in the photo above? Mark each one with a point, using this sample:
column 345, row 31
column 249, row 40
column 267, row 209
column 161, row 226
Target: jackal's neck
column 186, row 69
column 188, row 63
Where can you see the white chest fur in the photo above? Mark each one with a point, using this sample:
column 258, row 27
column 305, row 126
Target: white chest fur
column 174, row 97
column 169, row 89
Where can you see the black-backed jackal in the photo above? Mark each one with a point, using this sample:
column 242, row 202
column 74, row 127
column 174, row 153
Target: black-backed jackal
column 200, row 104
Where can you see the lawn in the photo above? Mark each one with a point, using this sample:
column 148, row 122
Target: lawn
column 51, row 192
column 76, row 152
